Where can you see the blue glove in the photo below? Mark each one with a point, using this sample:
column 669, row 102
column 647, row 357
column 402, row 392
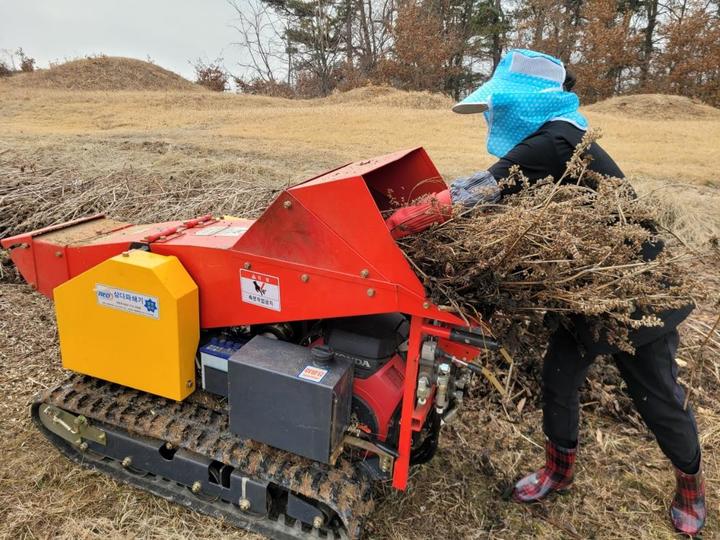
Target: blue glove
column 479, row 188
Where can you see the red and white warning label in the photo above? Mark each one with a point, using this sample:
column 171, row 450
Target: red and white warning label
column 260, row 289
column 312, row 373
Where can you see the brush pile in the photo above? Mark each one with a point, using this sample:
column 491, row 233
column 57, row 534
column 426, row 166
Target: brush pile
column 565, row 248
column 31, row 198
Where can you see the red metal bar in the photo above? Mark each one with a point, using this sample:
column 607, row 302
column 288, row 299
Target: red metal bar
column 437, row 331
column 402, row 464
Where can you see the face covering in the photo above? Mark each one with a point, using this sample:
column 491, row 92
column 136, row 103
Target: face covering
column 511, row 117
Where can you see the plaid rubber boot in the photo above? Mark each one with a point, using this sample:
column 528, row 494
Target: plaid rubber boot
column 556, row 475
column 687, row 510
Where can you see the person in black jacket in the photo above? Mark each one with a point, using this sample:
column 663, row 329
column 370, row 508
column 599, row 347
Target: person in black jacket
column 534, row 123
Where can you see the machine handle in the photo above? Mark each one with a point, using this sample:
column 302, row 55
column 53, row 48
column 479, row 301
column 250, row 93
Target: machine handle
column 476, row 340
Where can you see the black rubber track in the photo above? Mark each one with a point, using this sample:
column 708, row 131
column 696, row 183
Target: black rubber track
column 201, row 428
column 179, row 494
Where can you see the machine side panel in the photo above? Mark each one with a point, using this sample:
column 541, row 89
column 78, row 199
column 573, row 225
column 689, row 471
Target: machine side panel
column 304, row 292
column 348, row 208
column 132, row 320
column 288, row 231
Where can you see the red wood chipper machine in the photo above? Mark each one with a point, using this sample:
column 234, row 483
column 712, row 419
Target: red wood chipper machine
column 267, row 371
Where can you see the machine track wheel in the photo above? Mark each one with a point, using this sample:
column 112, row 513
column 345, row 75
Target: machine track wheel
column 114, row 430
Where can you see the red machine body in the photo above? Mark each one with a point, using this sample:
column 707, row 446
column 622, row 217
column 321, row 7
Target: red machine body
column 321, row 250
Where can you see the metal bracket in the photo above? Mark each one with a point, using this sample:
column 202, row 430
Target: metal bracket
column 70, row 427
column 387, row 460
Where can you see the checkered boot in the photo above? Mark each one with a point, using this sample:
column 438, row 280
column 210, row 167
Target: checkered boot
column 556, row 475
column 687, row 510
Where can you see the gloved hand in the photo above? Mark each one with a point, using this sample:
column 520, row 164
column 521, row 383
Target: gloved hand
column 414, row 219
column 479, row 188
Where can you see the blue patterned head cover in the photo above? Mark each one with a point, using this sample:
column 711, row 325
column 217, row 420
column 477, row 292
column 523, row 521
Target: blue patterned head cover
column 525, row 91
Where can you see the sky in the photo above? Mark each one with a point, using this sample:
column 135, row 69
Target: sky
column 170, row 32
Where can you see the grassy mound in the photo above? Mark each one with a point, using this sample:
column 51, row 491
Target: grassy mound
column 386, row 96
column 103, row 73
column 655, row 107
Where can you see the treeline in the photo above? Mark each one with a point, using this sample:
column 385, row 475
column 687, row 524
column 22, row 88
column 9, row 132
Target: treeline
column 309, row 48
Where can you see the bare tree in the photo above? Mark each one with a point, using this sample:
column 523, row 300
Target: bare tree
column 374, row 37
column 267, row 54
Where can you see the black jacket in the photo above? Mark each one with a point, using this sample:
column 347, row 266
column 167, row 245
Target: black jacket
column 547, row 151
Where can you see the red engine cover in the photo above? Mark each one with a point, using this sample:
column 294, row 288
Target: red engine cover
column 382, row 392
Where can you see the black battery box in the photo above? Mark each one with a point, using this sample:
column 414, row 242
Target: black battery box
column 280, row 394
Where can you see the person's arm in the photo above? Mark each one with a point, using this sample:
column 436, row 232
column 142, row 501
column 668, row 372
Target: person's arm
column 537, row 158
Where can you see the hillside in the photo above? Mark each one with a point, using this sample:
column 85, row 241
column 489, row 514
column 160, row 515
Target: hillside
column 102, row 73
column 655, row 107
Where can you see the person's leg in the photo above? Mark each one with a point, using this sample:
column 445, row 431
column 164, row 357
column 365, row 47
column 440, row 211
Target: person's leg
column 564, row 371
column 651, row 377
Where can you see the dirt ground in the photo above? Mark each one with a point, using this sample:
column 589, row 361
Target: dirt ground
column 190, row 140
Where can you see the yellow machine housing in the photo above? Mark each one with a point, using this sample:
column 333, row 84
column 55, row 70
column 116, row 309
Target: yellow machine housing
column 132, row 320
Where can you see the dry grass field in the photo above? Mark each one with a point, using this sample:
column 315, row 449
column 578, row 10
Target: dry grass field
column 58, row 146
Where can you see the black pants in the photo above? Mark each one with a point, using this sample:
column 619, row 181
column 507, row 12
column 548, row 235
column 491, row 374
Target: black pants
column 651, row 377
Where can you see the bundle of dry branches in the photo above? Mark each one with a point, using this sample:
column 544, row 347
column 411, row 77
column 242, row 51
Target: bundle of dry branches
column 556, row 246
column 32, row 198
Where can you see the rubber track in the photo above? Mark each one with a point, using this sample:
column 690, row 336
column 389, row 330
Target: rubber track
column 199, row 425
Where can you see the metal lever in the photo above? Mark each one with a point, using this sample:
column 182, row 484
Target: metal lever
column 476, row 340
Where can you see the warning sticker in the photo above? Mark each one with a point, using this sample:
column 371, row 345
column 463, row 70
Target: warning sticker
column 312, row 373
column 260, row 289
column 132, row 302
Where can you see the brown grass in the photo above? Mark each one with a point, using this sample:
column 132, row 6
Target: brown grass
column 102, row 73
column 313, row 134
column 161, row 144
